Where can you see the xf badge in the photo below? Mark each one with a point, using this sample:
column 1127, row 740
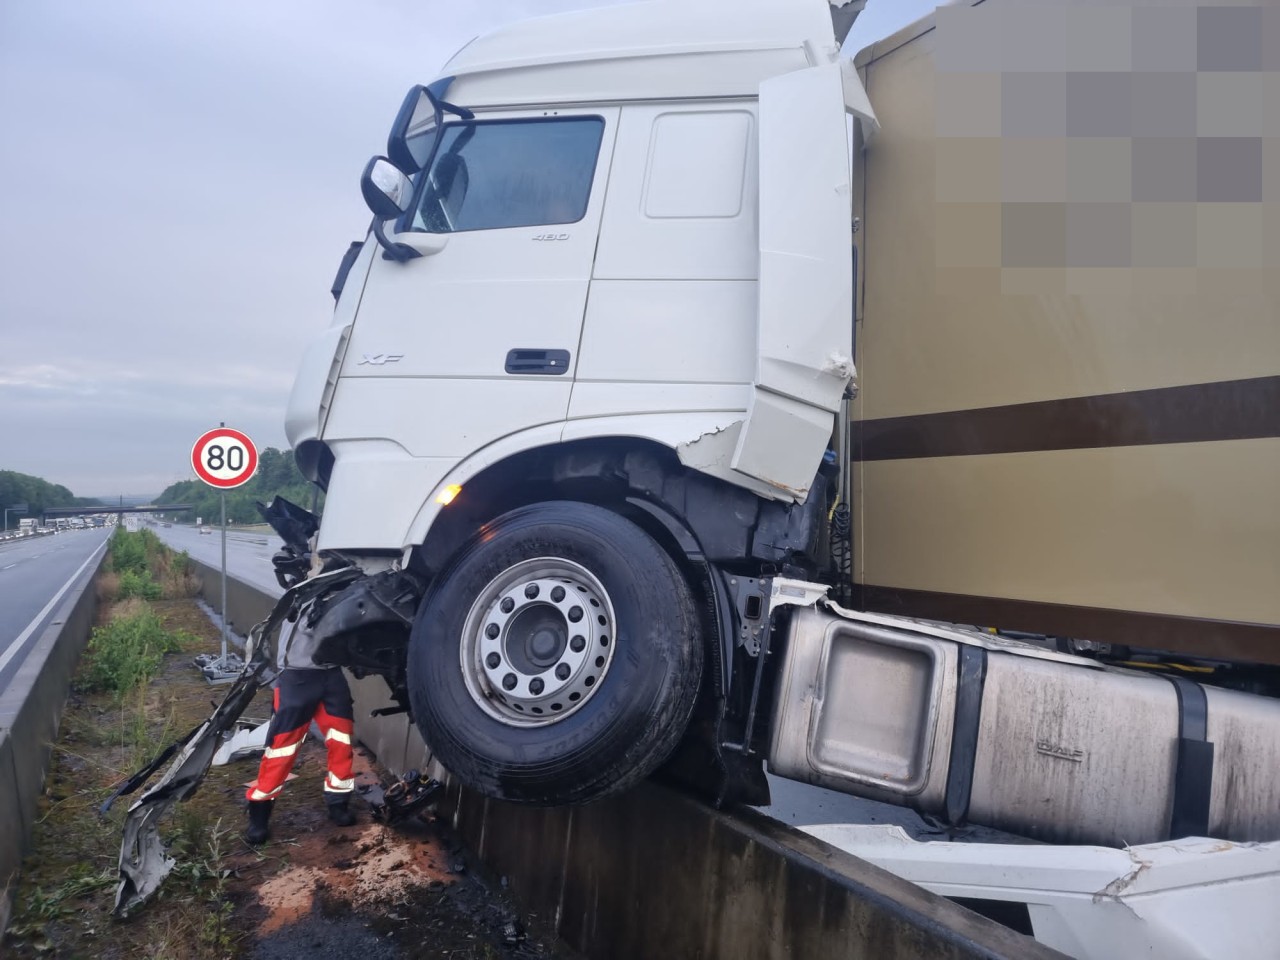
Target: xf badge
column 378, row 359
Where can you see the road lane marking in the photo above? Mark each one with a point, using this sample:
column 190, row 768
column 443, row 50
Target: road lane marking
column 31, row 627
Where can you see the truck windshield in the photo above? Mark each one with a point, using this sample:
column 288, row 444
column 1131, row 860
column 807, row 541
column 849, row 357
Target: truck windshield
column 509, row 173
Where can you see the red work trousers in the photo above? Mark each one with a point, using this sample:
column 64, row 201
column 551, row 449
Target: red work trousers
column 300, row 697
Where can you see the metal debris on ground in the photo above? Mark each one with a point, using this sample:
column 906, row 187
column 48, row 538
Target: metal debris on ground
column 248, row 740
column 402, row 799
column 219, row 668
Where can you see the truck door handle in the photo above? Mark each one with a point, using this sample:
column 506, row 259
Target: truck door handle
column 551, row 362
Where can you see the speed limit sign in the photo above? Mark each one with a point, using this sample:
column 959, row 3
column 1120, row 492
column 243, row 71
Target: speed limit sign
column 224, row 458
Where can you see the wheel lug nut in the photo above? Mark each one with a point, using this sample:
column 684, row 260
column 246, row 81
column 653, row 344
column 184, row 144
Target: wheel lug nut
column 509, row 682
column 531, row 591
column 562, row 671
column 508, row 604
column 492, row 631
column 575, row 614
column 492, row 661
column 577, row 644
column 557, row 594
column 535, row 686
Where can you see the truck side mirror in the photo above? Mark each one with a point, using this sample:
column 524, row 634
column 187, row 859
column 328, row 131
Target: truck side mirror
column 421, row 111
column 386, row 190
column 417, row 127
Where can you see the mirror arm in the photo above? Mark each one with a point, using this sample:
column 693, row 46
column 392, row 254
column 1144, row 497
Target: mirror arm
column 399, row 252
column 421, row 243
column 462, row 112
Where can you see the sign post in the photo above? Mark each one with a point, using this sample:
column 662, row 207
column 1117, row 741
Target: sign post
column 224, row 459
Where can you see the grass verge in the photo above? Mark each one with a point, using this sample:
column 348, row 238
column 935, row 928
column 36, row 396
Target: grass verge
column 134, row 692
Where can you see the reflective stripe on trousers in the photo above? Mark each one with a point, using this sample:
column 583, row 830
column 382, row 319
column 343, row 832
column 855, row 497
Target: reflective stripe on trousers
column 301, row 696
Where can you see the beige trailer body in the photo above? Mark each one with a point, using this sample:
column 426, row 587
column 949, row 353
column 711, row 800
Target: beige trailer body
column 1068, row 332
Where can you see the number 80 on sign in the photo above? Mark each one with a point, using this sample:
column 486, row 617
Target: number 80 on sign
column 224, row 458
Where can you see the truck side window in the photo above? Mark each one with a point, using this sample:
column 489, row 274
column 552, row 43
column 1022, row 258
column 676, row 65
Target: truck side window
column 510, row 173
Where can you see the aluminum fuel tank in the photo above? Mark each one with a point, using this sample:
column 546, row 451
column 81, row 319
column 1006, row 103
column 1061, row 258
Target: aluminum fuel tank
column 974, row 728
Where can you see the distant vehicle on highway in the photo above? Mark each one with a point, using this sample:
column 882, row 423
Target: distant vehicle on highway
column 206, row 530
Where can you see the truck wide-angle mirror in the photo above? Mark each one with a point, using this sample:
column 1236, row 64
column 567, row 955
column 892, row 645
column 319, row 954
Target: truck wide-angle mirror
column 414, row 131
column 417, row 125
column 387, row 191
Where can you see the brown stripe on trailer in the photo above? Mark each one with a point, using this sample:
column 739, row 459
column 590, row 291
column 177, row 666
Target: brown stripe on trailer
column 1228, row 410
column 1251, row 642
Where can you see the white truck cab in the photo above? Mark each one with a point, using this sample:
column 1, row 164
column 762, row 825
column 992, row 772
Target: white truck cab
column 643, row 232
column 608, row 291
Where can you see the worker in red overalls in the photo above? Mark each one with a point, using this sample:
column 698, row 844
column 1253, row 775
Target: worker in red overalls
column 304, row 691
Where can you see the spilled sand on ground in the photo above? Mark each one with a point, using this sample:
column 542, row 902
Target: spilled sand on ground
column 367, row 867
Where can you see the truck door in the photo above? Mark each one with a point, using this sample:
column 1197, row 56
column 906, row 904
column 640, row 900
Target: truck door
column 804, row 322
column 478, row 340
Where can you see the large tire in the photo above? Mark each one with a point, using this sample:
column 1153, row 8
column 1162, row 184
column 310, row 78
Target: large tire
column 596, row 724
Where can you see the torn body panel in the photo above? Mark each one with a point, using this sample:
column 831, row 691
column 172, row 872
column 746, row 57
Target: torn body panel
column 805, row 279
column 143, row 862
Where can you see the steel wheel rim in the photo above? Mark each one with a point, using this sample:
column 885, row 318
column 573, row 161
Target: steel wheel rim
column 538, row 642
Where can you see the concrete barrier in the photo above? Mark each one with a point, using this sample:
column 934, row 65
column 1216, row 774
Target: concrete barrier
column 246, row 604
column 655, row 874
column 30, row 712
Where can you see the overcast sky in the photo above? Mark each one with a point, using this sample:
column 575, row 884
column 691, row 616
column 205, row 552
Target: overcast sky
column 177, row 184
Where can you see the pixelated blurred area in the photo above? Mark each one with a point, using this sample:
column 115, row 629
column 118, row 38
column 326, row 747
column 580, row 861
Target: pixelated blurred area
column 1102, row 169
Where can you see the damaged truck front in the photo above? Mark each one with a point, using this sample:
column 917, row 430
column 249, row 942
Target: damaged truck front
column 581, row 384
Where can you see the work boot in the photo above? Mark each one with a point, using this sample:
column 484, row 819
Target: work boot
column 340, row 812
column 259, row 815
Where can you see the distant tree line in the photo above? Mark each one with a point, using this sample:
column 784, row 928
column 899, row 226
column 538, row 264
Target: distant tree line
column 277, row 475
column 37, row 494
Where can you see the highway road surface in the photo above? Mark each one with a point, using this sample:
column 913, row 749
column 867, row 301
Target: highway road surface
column 248, row 553
column 36, row 574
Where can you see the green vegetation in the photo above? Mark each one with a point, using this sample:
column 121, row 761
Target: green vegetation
column 133, row 552
column 201, row 849
column 37, row 494
column 60, row 902
column 142, row 566
column 277, row 475
column 127, row 651
column 138, row 585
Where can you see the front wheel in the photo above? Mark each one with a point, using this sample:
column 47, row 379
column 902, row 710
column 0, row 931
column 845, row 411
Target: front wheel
column 558, row 659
